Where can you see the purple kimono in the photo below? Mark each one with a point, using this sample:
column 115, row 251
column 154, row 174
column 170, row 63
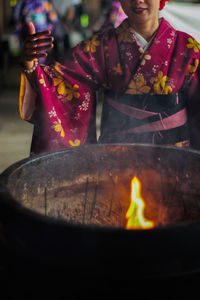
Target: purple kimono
column 151, row 96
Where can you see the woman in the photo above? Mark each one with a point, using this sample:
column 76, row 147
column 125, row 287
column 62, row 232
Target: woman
column 150, row 74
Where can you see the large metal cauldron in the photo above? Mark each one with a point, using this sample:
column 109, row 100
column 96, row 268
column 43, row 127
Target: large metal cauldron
column 65, row 211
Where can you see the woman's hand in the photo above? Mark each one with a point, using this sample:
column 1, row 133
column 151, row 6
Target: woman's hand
column 35, row 46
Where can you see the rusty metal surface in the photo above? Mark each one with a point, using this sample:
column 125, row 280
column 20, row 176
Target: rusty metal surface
column 91, row 184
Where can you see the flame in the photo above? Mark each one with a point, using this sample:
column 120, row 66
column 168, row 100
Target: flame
column 135, row 213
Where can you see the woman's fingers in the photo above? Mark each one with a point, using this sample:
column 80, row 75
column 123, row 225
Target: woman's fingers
column 43, row 41
column 33, row 35
column 43, row 48
column 32, row 53
column 35, row 45
column 39, row 42
column 37, row 35
column 38, row 49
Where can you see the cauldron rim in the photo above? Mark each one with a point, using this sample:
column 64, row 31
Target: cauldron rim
column 33, row 158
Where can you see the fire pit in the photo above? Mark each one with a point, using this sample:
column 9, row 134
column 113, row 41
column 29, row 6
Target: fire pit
column 67, row 209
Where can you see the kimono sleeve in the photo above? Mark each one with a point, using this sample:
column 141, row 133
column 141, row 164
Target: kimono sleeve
column 66, row 97
column 194, row 105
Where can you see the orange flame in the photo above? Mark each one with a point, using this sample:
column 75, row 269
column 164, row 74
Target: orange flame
column 135, row 214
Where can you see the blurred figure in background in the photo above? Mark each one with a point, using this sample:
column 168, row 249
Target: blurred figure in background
column 115, row 15
column 110, row 15
column 40, row 12
column 66, row 11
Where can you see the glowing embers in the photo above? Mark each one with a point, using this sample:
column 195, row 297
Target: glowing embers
column 135, row 214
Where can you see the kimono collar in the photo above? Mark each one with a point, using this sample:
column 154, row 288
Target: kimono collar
column 126, row 33
column 138, row 37
column 143, row 43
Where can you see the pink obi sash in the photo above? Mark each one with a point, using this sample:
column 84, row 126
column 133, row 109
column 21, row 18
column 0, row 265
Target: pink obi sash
column 159, row 119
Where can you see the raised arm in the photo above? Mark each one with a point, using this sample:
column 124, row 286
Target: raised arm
column 35, row 47
column 64, row 110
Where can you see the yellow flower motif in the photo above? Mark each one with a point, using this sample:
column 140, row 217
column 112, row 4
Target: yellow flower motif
column 193, row 44
column 160, row 86
column 192, row 68
column 64, row 88
column 42, row 81
column 59, row 83
column 167, row 90
column 58, row 128
column 57, row 67
column 118, row 69
column 72, row 91
column 76, row 143
column 138, row 87
column 125, row 33
column 160, row 79
column 90, row 45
